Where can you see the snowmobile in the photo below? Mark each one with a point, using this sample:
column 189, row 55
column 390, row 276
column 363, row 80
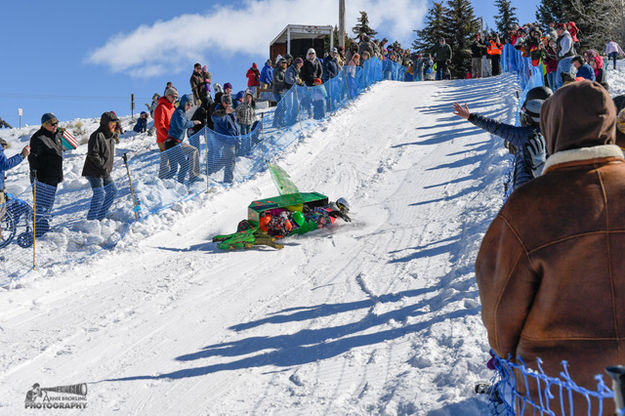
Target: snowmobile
column 290, row 213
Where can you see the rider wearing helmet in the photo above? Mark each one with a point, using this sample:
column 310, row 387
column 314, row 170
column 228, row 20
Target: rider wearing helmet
column 527, row 143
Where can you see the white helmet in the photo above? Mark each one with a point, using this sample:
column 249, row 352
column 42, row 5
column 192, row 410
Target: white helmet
column 342, row 205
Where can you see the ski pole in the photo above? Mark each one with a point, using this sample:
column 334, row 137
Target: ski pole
column 34, row 216
column 207, row 180
column 262, row 133
column 132, row 190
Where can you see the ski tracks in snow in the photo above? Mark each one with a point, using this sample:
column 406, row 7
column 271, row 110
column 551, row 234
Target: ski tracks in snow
column 376, row 316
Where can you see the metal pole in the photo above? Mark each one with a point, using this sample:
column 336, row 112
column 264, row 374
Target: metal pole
column 342, row 23
column 288, row 40
column 299, row 117
column 262, row 134
column 132, row 106
column 207, row 167
column 617, row 373
column 34, row 216
column 132, row 190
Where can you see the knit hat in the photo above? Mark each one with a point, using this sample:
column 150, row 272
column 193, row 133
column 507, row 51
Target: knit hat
column 226, row 99
column 218, row 88
column 227, row 85
column 48, row 118
column 171, row 91
column 317, row 81
column 249, row 92
column 334, row 50
column 299, row 60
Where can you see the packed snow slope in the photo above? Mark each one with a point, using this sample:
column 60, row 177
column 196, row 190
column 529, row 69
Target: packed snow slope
column 377, row 316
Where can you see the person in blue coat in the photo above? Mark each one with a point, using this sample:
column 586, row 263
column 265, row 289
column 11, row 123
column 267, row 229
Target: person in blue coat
column 266, row 75
column 583, row 69
column 7, row 163
column 527, row 141
column 142, row 123
column 330, row 66
column 179, row 152
column 228, row 134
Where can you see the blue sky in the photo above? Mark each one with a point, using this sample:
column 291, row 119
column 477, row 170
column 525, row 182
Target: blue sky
column 79, row 59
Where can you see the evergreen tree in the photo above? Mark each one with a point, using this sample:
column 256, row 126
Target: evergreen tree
column 552, row 11
column 362, row 27
column 435, row 27
column 597, row 20
column 506, row 19
column 463, row 25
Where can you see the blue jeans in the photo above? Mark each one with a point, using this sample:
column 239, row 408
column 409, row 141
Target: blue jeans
column 229, row 159
column 564, row 65
column 246, row 139
column 104, row 192
column 44, row 202
column 612, row 56
column 551, row 79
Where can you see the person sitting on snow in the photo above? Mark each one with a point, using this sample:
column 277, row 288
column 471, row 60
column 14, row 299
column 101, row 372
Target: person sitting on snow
column 142, row 123
column 583, row 69
column 527, row 142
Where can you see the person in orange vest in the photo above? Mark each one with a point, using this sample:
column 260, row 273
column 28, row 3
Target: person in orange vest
column 493, row 49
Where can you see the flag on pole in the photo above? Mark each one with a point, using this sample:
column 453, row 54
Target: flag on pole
column 69, row 141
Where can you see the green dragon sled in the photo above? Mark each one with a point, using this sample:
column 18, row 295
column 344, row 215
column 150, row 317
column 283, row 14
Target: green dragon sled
column 291, row 212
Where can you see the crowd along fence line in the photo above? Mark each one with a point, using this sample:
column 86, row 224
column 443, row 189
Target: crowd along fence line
column 555, row 394
column 73, row 221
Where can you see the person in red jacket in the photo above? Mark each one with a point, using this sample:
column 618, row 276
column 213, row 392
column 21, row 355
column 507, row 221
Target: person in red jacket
column 253, row 78
column 162, row 116
column 573, row 30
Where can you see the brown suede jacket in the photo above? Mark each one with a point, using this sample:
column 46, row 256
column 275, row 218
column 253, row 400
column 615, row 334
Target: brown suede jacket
column 551, row 267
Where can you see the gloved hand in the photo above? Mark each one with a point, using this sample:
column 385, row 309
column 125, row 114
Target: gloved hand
column 536, row 154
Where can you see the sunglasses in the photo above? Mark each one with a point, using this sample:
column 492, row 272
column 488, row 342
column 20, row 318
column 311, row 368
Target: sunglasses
column 54, row 124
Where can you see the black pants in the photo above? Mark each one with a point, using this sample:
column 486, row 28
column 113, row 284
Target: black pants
column 441, row 70
column 495, row 64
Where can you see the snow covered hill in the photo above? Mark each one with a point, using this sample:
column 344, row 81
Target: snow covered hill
column 377, row 316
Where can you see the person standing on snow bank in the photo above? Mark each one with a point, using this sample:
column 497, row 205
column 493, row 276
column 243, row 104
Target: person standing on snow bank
column 613, row 49
column 99, row 164
column 442, row 57
column 46, row 167
column 477, row 47
column 7, row 163
column 266, row 75
column 182, row 154
column 253, row 78
column 228, row 132
column 550, row 269
column 198, row 86
column 162, row 116
column 565, row 52
column 311, row 68
column 525, row 142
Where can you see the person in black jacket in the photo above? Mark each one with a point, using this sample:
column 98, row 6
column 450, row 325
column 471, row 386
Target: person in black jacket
column 477, row 50
column 198, row 86
column 311, row 69
column 46, row 169
column 98, row 166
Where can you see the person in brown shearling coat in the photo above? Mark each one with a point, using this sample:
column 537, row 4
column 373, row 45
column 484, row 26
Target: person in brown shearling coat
column 551, row 268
